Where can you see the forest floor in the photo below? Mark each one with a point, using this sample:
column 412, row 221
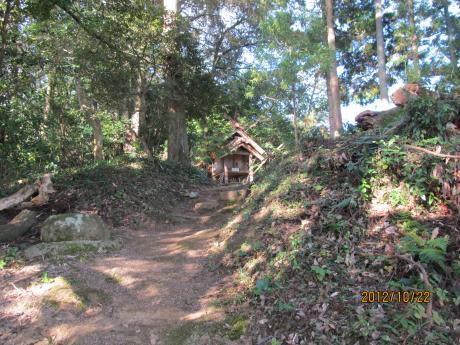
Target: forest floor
column 159, row 289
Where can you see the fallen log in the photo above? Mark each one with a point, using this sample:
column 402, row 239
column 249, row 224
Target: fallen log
column 18, row 226
column 44, row 187
column 369, row 119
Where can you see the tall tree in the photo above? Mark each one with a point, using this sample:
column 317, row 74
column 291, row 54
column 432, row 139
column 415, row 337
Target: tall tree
column 381, row 51
column 6, row 14
column 178, row 149
column 88, row 112
column 294, row 114
column 413, row 38
column 335, row 113
column 450, row 35
column 138, row 118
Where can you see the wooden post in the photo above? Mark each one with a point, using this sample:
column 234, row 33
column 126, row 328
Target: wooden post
column 251, row 171
column 225, row 171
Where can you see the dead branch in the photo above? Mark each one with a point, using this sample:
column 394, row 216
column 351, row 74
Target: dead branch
column 44, row 187
column 18, row 197
column 421, row 149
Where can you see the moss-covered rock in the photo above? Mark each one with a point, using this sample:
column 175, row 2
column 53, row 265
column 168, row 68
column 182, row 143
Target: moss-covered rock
column 74, row 226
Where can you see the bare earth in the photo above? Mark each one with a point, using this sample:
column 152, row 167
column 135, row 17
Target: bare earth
column 150, row 292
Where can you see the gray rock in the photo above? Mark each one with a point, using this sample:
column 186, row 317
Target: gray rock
column 74, row 226
column 70, row 248
column 193, row 195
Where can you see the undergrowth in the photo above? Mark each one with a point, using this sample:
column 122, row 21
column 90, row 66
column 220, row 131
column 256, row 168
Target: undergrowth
column 364, row 213
column 120, row 190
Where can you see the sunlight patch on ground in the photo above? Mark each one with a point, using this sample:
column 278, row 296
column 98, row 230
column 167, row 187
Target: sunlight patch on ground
column 208, row 313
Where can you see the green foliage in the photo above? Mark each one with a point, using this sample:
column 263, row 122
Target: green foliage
column 113, row 130
column 331, row 241
column 238, row 326
column 262, row 287
column 320, row 272
column 45, row 278
column 428, row 116
column 410, row 173
column 207, row 137
column 9, row 257
column 398, row 197
column 432, row 251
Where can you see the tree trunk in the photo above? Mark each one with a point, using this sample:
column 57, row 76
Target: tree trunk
column 48, row 99
column 98, row 138
column 381, row 51
column 450, row 35
column 413, row 38
column 177, row 133
column 5, row 19
column 128, row 110
column 4, row 30
column 94, row 121
column 334, row 99
column 2, row 134
column 138, row 117
column 178, row 150
column 294, row 117
column 329, row 102
column 171, row 6
column 49, row 105
column 137, row 120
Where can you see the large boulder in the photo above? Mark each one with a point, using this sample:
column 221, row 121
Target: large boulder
column 402, row 95
column 74, row 226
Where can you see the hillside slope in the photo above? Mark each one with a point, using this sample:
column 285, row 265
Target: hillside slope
column 327, row 232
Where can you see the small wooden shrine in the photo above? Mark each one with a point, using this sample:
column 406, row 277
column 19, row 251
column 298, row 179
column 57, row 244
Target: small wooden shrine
column 238, row 163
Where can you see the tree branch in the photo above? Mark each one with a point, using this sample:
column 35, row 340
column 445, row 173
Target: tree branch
column 219, row 42
column 421, row 149
column 98, row 36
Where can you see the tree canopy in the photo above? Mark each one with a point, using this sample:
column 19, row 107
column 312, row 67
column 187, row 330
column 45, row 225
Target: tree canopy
column 266, row 64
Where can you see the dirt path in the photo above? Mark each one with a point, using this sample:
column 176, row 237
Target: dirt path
column 152, row 291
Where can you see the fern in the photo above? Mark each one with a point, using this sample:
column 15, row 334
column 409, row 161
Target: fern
column 433, row 255
column 428, row 251
column 439, row 243
column 412, row 243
